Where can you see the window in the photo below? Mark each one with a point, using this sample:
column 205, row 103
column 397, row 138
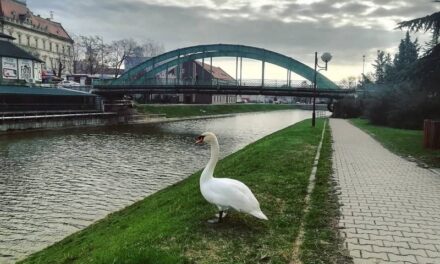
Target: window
column 28, row 40
column 50, row 46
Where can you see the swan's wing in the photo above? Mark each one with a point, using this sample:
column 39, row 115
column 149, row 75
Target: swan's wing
column 231, row 193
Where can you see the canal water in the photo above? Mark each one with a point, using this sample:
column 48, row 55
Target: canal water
column 57, row 182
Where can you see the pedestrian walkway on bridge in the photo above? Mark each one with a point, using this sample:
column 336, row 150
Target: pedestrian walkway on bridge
column 390, row 209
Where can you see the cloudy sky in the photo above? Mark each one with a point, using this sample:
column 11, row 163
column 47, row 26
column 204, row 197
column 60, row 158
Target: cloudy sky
column 297, row 28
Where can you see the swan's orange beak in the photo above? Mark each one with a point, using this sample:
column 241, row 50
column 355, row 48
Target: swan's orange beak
column 199, row 139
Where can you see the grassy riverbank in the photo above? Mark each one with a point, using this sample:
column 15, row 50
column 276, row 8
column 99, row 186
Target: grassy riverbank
column 170, row 226
column 322, row 243
column 401, row 141
column 203, row 110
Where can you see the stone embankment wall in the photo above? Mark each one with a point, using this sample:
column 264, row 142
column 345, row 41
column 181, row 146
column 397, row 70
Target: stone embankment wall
column 17, row 123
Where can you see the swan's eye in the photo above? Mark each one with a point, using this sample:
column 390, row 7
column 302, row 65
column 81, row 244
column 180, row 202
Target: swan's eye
column 200, row 139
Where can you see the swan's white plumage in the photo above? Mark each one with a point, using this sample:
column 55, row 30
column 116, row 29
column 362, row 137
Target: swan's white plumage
column 223, row 192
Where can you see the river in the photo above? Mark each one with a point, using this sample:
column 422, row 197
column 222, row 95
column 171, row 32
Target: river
column 54, row 183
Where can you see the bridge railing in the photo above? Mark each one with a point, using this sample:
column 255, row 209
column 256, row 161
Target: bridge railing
column 269, row 83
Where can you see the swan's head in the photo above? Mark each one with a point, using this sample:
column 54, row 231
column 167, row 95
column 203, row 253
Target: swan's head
column 207, row 137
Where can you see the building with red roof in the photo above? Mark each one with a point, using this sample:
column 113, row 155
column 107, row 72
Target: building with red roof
column 42, row 37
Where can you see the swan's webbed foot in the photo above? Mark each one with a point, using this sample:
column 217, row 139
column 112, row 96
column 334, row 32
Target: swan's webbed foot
column 219, row 218
column 225, row 213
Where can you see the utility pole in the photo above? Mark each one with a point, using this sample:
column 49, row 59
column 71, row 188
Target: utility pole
column 363, row 67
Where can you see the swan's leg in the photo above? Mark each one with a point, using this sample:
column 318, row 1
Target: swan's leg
column 220, row 216
column 225, row 213
column 218, row 219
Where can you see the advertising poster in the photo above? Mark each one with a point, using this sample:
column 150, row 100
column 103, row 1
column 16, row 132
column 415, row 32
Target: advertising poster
column 9, row 68
column 37, row 71
column 25, row 69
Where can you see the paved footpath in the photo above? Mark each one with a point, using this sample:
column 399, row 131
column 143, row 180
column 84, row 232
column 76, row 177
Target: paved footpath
column 391, row 207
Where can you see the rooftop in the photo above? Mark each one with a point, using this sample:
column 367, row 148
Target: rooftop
column 19, row 12
column 217, row 72
column 9, row 49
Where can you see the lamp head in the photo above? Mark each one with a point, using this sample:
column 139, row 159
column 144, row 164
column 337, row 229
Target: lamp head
column 326, row 57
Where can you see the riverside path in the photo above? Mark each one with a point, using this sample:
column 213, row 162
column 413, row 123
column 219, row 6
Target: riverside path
column 390, row 209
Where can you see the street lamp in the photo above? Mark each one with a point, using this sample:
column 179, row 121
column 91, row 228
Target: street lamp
column 325, row 57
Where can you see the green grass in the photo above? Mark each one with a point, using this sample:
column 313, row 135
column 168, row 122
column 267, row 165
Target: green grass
column 401, row 141
column 322, row 243
column 171, row 225
column 203, row 110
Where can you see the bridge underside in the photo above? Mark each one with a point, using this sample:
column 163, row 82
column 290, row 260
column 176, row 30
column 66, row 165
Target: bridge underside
column 117, row 91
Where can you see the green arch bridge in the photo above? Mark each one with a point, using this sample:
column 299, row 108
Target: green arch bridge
column 143, row 77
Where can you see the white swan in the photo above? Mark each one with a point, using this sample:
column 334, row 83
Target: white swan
column 223, row 192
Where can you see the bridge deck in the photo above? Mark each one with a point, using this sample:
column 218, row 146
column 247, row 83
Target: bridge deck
column 221, row 89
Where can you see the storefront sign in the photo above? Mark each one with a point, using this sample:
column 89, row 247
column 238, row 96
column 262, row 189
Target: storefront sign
column 9, row 68
column 37, row 71
column 25, row 69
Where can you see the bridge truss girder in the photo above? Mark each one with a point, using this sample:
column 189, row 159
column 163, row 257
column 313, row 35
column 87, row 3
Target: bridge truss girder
column 160, row 63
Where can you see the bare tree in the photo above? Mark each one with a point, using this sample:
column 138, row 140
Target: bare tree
column 77, row 53
column 60, row 65
column 94, row 53
column 119, row 51
column 149, row 48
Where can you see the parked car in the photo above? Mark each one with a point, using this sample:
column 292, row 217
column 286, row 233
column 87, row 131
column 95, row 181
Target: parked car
column 68, row 83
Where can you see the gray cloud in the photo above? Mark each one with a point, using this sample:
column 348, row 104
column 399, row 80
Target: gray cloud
column 311, row 27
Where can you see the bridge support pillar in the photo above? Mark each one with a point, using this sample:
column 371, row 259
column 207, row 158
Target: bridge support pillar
column 236, row 71
column 210, row 70
column 241, row 69
column 166, row 76
column 203, row 70
column 262, row 74
column 178, row 71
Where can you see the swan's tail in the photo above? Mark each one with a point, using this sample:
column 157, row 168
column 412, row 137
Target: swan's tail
column 260, row 215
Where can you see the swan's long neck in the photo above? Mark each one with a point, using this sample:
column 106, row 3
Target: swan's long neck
column 208, row 172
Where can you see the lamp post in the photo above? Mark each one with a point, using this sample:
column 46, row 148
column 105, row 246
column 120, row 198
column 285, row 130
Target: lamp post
column 326, row 57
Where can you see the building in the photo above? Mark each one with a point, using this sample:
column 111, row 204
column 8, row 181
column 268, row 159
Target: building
column 42, row 37
column 205, row 74
column 17, row 94
column 16, row 64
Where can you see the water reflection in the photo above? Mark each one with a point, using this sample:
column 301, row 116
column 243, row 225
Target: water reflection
column 57, row 182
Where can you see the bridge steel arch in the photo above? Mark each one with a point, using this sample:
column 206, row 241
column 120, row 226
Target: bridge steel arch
column 155, row 65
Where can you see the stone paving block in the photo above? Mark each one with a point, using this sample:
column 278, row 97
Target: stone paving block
column 375, row 255
column 386, row 249
column 422, row 246
column 406, row 239
column 362, row 241
column 410, row 259
column 396, row 244
column 414, row 252
column 424, row 260
column 351, row 246
column 365, row 261
column 379, row 237
column 355, row 253
column 433, row 254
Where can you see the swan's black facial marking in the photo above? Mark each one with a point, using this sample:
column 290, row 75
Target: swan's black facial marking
column 200, row 139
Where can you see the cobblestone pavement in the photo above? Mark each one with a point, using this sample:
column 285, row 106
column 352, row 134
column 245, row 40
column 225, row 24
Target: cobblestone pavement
column 391, row 207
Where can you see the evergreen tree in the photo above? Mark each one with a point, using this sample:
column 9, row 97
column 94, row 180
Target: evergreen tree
column 381, row 66
column 430, row 22
column 408, row 53
column 429, row 45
